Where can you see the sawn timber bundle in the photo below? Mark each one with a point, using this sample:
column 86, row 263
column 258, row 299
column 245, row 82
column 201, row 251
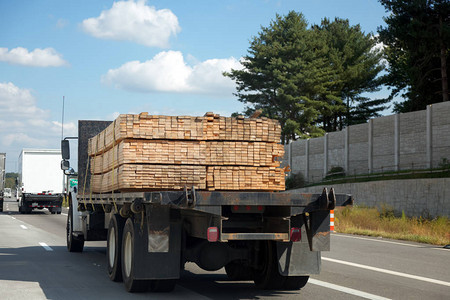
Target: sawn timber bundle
column 146, row 152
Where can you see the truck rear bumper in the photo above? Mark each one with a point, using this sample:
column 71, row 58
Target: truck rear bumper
column 42, row 201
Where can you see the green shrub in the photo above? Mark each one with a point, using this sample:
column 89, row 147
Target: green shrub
column 295, row 181
column 444, row 163
column 335, row 172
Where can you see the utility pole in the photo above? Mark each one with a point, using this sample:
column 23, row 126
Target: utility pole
column 62, row 122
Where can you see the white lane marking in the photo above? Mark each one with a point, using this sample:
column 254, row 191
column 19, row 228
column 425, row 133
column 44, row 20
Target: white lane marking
column 346, row 290
column 45, row 246
column 24, row 227
column 63, row 214
column 14, row 218
column 388, row 242
column 445, row 283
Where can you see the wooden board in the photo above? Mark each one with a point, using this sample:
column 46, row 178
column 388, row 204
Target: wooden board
column 177, row 177
column 144, row 152
column 149, row 177
column 245, row 178
column 206, row 128
column 178, row 152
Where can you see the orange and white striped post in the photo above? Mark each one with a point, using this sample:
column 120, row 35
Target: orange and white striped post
column 332, row 220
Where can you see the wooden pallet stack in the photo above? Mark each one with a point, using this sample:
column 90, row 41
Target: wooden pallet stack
column 146, row 152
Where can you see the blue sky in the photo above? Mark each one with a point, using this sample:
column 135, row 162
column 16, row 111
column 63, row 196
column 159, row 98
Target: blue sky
column 113, row 57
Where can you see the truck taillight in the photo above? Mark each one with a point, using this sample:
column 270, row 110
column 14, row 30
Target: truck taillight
column 296, row 234
column 213, row 234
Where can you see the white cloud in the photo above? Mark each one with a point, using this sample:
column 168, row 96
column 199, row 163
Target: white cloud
column 136, row 22
column 23, row 124
column 168, row 72
column 47, row 57
column 21, row 138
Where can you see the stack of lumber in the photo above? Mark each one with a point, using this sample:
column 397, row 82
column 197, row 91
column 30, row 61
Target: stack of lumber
column 130, row 177
column 146, row 152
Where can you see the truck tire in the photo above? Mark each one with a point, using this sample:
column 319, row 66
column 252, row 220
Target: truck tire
column 162, row 285
column 268, row 277
column 1, row 205
column 114, row 248
column 236, row 271
column 128, row 274
column 295, row 282
column 24, row 210
column 74, row 244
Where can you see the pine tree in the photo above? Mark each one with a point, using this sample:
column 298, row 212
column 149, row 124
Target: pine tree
column 310, row 79
column 417, row 39
column 353, row 54
column 286, row 74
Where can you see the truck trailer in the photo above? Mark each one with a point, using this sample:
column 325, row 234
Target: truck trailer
column 2, row 179
column 272, row 238
column 40, row 182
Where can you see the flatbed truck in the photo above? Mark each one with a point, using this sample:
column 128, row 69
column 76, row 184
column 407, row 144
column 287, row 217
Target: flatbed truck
column 272, row 238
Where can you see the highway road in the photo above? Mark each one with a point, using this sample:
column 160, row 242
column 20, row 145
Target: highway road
column 35, row 264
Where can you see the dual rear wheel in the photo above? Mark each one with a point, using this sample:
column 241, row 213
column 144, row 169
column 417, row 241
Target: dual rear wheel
column 121, row 266
column 121, row 256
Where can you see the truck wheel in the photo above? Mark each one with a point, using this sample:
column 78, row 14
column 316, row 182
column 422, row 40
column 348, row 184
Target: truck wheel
column 236, row 271
column 114, row 247
column 128, row 272
column 268, row 277
column 295, row 282
column 74, row 244
column 21, row 206
column 1, row 206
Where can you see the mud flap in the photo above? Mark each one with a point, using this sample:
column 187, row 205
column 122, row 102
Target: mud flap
column 318, row 230
column 157, row 245
column 158, row 228
column 296, row 259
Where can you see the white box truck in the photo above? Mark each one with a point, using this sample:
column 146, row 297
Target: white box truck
column 41, row 182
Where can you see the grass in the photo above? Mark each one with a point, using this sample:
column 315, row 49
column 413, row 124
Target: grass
column 383, row 223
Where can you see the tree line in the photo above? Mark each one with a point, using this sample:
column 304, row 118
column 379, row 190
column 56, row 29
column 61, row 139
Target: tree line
column 10, row 180
column 318, row 78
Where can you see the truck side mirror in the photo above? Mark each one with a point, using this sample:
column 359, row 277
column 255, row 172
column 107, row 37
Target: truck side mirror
column 65, row 165
column 65, row 150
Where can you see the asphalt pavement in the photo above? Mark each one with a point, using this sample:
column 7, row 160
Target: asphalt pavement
column 35, row 264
